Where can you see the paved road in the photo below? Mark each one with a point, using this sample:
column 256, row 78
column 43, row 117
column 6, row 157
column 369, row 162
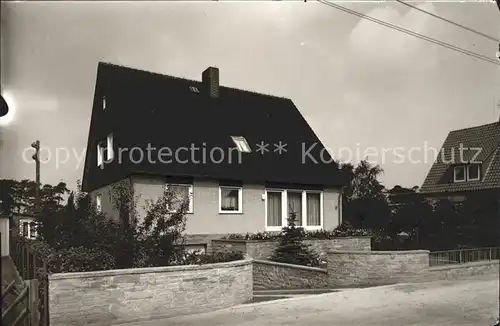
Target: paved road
column 472, row 302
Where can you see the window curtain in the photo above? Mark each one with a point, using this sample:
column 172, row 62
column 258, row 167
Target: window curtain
column 295, row 206
column 229, row 199
column 274, row 209
column 313, row 209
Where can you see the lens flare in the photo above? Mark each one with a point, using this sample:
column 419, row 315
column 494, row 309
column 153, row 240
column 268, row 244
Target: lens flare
column 9, row 118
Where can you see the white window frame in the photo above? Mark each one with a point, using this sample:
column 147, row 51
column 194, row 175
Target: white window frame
column 110, row 153
column 240, row 200
column 455, row 173
column 478, row 172
column 98, row 202
column 284, row 209
column 100, row 155
column 190, row 194
column 241, row 144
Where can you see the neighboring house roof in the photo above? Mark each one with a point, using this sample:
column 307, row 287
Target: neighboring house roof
column 487, row 139
column 146, row 108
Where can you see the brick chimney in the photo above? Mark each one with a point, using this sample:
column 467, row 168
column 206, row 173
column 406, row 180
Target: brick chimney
column 210, row 79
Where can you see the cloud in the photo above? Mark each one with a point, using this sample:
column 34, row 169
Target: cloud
column 384, row 48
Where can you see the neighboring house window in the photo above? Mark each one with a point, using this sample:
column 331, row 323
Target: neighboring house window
column 100, row 155
column 230, row 199
column 109, row 150
column 473, row 172
column 459, row 174
column 241, row 144
column 28, row 229
column 33, row 230
column 306, row 204
column 182, row 192
column 25, row 229
column 98, row 203
column 104, row 102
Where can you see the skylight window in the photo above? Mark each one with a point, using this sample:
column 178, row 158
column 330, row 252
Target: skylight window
column 194, row 89
column 241, row 144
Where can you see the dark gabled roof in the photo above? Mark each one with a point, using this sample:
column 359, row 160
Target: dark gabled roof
column 146, row 108
column 487, row 139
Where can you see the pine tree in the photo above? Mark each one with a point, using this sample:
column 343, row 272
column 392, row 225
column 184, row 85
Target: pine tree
column 292, row 249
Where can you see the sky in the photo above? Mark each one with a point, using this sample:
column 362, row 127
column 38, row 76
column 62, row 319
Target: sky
column 365, row 89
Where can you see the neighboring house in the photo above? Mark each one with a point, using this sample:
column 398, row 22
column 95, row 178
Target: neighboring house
column 202, row 140
column 477, row 171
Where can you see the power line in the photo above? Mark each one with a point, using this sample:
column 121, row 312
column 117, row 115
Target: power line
column 450, row 21
column 418, row 35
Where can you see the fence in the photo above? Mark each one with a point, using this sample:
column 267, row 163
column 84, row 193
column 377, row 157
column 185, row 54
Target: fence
column 23, row 311
column 463, row 256
column 32, row 267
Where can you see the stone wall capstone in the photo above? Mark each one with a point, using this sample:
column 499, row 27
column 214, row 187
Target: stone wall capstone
column 268, row 275
column 120, row 296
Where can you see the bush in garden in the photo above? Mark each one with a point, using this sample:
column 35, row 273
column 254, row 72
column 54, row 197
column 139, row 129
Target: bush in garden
column 80, row 238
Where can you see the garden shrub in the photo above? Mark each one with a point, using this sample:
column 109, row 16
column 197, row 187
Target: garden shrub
column 73, row 259
column 83, row 239
column 81, row 259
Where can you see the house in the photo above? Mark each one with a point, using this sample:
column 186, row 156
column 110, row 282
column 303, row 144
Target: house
column 244, row 159
column 476, row 171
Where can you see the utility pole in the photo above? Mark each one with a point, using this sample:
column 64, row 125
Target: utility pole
column 36, row 158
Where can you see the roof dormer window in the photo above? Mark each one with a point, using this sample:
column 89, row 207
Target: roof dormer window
column 459, row 174
column 470, row 172
column 473, row 172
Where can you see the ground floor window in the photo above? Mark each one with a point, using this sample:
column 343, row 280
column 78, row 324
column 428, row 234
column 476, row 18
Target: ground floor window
column 230, row 199
column 181, row 193
column 306, row 204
